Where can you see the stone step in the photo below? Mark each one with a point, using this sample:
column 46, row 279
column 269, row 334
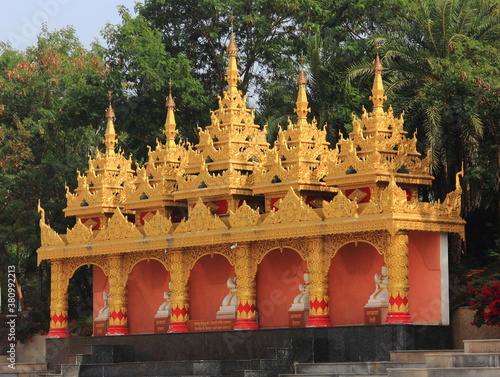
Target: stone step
column 336, row 375
column 445, row 372
column 416, row 356
column 23, row 368
column 151, row 368
column 482, row 346
column 462, row 360
column 377, row 367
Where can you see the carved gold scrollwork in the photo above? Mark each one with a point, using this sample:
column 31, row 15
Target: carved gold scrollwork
column 158, row 225
column 80, row 233
column 291, row 209
column 118, row 228
column 340, row 206
column 200, row 219
column 244, row 216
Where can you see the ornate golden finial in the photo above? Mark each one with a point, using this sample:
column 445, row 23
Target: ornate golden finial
column 110, row 134
column 302, row 110
column 378, row 96
column 170, row 125
column 232, row 77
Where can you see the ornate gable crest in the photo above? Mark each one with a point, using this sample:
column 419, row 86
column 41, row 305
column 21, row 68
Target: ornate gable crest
column 340, row 206
column 80, row 233
column 158, row 225
column 118, row 228
column 49, row 237
column 244, row 216
column 291, row 209
column 200, row 219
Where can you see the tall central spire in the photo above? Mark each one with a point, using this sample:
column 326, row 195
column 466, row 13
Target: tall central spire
column 232, row 77
column 378, row 96
column 110, row 134
column 302, row 110
column 170, row 125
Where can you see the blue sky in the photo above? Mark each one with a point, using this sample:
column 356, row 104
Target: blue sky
column 22, row 19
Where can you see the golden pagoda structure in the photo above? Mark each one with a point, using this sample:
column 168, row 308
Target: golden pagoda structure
column 235, row 234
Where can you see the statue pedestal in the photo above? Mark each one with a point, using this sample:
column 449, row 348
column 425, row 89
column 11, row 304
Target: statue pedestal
column 100, row 327
column 375, row 315
column 297, row 318
column 161, row 324
column 226, row 312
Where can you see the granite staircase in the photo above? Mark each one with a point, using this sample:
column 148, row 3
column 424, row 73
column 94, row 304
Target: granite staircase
column 480, row 358
column 122, row 361
column 21, row 370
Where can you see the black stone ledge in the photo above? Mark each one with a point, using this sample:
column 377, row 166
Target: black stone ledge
column 326, row 344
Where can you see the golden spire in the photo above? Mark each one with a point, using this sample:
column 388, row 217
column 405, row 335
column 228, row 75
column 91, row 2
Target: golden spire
column 232, row 77
column 110, row 134
column 170, row 125
column 378, row 96
column 301, row 110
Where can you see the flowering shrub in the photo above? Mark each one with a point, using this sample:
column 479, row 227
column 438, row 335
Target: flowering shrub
column 81, row 327
column 485, row 300
column 25, row 333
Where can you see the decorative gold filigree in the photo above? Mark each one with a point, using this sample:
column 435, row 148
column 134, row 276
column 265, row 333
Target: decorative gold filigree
column 340, row 206
column 49, row 237
column 158, row 225
column 291, row 209
column 80, row 233
column 244, row 216
column 200, row 219
column 118, row 228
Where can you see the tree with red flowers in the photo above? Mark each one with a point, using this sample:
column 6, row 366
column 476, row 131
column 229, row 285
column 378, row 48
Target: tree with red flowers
column 485, row 300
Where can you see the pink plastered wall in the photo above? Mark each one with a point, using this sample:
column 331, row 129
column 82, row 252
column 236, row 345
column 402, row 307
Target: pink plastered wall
column 351, row 282
column 208, row 286
column 425, row 277
column 145, row 287
column 278, row 278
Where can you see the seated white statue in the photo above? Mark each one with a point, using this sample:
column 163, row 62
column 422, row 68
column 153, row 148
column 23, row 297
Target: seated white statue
column 301, row 301
column 165, row 308
column 104, row 312
column 381, row 296
column 228, row 307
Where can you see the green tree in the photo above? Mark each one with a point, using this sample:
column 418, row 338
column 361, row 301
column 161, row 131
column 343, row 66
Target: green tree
column 141, row 63
column 442, row 65
column 441, row 68
column 53, row 98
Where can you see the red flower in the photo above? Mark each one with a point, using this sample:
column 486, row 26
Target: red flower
column 495, row 307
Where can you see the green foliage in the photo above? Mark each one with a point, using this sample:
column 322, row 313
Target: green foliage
column 81, row 327
column 53, row 101
column 141, row 62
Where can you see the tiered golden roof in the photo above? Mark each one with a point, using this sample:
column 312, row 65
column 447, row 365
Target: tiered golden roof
column 221, row 164
column 368, row 183
column 377, row 149
column 295, row 159
column 155, row 183
column 101, row 189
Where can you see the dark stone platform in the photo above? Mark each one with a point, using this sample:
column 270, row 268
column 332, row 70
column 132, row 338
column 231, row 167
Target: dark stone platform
column 328, row 344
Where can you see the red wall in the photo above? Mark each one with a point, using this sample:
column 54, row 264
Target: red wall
column 425, row 277
column 208, row 286
column 278, row 278
column 146, row 284
column 351, row 282
column 99, row 284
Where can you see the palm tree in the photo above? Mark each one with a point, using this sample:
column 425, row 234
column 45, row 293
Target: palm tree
column 438, row 62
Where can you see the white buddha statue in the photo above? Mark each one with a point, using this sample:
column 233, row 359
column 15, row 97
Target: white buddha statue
column 103, row 314
column 301, row 301
column 380, row 296
column 166, row 307
column 229, row 303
